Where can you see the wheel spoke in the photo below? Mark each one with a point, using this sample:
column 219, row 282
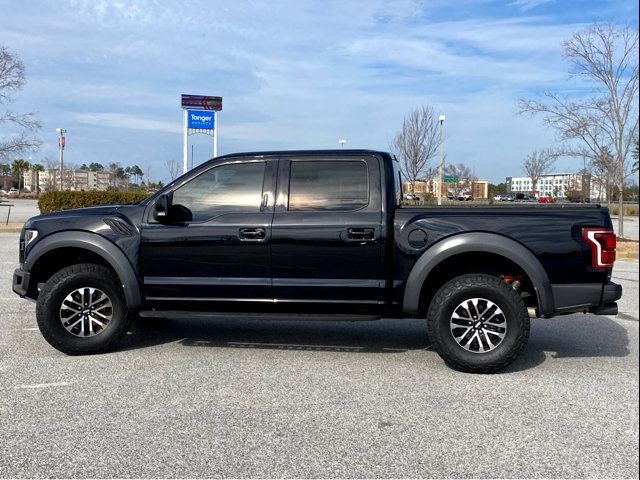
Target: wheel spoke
column 460, row 337
column 500, row 335
column 95, row 320
column 68, row 327
column 480, row 344
column 100, row 298
column 468, row 341
column 104, row 317
column 473, row 308
column 70, row 302
column 491, row 345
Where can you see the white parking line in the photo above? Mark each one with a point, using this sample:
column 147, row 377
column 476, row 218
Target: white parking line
column 44, row 385
column 30, row 329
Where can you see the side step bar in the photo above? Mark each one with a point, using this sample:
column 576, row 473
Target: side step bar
column 187, row 315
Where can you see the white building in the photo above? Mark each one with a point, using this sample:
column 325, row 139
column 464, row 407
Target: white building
column 74, row 179
column 559, row 185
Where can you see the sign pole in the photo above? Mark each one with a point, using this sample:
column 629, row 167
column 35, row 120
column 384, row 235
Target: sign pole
column 440, row 159
column 215, row 134
column 185, row 141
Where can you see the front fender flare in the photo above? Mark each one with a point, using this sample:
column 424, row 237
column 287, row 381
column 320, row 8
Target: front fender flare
column 478, row 242
column 98, row 245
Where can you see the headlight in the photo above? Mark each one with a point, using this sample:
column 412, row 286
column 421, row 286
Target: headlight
column 29, row 236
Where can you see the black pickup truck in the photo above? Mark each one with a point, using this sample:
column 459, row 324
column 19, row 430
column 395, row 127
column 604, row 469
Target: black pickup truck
column 310, row 233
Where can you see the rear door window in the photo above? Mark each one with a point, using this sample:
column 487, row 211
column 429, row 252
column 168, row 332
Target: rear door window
column 328, row 185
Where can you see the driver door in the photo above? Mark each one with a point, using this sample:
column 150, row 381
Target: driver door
column 216, row 248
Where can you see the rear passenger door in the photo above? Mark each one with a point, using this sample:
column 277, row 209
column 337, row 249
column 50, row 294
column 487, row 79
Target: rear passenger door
column 326, row 231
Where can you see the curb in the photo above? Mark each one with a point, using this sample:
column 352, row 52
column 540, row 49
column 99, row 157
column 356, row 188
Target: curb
column 12, row 227
column 627, row 249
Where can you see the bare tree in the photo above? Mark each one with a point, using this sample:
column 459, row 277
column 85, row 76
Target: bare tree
column 635, row 154
column 465, row 178
column 12, row 79
column 416, row 143
column 604, row 168
column 147, row 174
column 537, row 164
column 173, row 168
column 113, row 168
column 607, row 58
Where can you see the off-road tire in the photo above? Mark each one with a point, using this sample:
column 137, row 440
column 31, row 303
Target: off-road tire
column 489, row 287
column 62, row 284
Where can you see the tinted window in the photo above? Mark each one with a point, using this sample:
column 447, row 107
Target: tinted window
column 328, row 185
column 235, row 187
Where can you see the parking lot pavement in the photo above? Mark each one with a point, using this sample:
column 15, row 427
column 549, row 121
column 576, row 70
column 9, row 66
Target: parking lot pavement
column 21, row 210
column 236, row 397
column 630, row 227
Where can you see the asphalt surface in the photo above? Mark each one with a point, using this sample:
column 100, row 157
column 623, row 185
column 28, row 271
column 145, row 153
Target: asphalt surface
column 281, row 398
column 631, row 231
column 21, row 209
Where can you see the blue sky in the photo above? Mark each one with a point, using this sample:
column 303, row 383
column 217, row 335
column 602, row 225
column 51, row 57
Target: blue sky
column 293, row 74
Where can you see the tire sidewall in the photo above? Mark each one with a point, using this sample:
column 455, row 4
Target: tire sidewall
column 49, row 317
column 442, row 308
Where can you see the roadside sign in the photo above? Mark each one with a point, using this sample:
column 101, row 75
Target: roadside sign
column 450, row 179
column 203, row 102
column 203, row 119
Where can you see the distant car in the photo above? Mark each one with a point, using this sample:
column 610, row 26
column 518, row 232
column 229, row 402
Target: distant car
column 13, row 191
column 463, row 197
column 501, row 197
column 546, row 200
column 523, row 197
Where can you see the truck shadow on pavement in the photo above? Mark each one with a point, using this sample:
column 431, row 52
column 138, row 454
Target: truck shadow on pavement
column 572, row 336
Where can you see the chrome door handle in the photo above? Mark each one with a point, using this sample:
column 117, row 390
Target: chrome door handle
column 253, row 234
column 360, row 234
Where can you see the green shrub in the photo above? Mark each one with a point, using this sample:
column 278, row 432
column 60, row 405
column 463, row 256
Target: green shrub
column 632, row 210
column 63, row 200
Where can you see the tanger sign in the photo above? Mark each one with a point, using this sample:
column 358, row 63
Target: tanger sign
column 200, row 113
column 203, row 119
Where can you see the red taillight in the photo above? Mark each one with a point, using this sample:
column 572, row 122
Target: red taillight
column 602, row 242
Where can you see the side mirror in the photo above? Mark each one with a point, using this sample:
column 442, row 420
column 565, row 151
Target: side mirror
column 162, row 208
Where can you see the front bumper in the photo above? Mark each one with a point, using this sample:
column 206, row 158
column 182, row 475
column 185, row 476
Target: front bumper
column 20, row 282
column 593, row 298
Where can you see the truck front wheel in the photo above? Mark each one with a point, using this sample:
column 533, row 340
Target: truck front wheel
column 477, row 323
column 81, row 309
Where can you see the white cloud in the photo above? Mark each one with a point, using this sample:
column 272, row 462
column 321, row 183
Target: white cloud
column 529, row 4
column 127, row 121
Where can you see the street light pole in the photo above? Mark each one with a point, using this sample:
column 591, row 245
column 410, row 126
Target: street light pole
column 440, row 158
column 61, row 141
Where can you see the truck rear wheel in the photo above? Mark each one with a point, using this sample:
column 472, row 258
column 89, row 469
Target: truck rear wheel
column 81, row 309
column 477, row 323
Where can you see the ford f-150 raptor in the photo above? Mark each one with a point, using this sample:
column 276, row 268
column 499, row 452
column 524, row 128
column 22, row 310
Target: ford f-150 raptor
column 317, row 231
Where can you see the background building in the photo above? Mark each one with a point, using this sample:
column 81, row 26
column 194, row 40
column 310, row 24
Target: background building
column 74, row 179
column 560, row 185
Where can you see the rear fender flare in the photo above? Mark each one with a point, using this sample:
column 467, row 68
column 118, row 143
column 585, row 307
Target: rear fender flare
column 478, row 242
